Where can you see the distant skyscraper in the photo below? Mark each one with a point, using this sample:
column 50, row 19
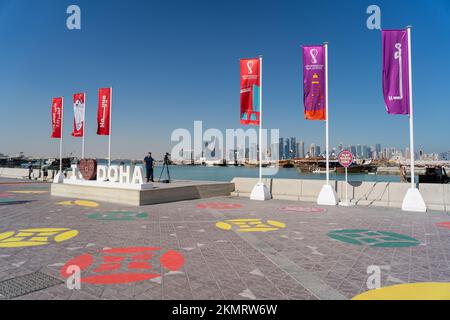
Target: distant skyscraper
column 317, row 151
column 312, row 150
column 281, row 148
column 293, row 145
column 359, row 150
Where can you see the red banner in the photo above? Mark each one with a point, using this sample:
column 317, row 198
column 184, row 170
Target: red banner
column 104, row 112
column 250, row 91
column 79, row 114
column 57, row 112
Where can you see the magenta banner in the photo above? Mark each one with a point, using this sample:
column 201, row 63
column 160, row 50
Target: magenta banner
column 314, row 82
column 396, row 71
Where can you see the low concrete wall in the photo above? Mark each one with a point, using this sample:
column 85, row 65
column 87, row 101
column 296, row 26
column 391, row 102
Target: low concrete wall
column 19, row 173
column 383, row 194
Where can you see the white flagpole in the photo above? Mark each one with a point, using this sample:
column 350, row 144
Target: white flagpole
column 62, row 135
column 110, row 126
column 260, row 116
column 84, row 127
column 328, row 194
column 326, row 114
column 411, row 114
column 413, row 200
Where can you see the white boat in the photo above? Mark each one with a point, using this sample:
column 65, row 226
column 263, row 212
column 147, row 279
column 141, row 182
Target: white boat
column 318, row 171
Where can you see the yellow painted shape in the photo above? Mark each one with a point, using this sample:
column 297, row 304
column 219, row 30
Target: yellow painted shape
column 223, row 225
column 14, row 239
column 66, row 235
column 410, row 291
column 28, row 192
column 257, row 229
column 81, row 203
column 244, row 220
column 276, row 223
column 21, row 244
column 85, row 203
column 66, row 203
column 6, row 235
column 24, row 234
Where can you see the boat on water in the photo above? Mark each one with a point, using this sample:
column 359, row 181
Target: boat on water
column 320, row 171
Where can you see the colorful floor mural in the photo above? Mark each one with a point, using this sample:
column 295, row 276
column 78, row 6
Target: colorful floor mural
column 80, row 203
column 218, row 205
column 118, row 216
column 373, row 238
column 445, row 224
column 250, row 225
column 123, row 265
column 410, row 291
column 35, row 237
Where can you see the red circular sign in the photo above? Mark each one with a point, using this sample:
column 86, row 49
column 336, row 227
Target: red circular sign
column 123, row 265
column 345, row 158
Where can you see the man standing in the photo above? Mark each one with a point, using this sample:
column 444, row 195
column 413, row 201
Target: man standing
column 149, row 162
column 30, row 170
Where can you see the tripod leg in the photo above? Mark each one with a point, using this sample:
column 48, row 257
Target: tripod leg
column 162, row 171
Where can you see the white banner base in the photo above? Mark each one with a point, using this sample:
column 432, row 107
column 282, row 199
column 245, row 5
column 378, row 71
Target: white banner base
column 327, row 196
column 59, row 178
column 346, row 204
column 413, row 201
column 260, row 193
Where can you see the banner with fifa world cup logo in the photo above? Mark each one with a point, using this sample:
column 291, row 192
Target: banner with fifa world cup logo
column 396, row 71
column 57, row 111
column 250, row 91
column 79, row 113
column 104, row 112
column 314, row 82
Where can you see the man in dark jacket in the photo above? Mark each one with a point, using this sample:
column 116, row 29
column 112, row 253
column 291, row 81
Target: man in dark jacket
column 149, row 164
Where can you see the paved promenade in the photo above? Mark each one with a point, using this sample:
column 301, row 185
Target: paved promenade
column 221, row 248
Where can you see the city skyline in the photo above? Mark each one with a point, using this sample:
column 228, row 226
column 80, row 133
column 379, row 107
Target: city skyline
column 172, row 67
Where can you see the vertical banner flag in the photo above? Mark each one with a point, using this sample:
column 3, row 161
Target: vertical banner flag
column 250, row 91
column 79, row 113
column 57, row 105
column 396, row 71
column 104, row 112
column 314, row 82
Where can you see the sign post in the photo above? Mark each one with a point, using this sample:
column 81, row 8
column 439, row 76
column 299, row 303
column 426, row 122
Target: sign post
column 345, row 159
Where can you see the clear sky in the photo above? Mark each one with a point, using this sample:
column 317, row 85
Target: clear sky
column 173, row 62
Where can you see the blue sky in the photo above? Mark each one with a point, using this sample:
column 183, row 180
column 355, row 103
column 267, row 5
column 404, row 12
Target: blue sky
column 173, row 62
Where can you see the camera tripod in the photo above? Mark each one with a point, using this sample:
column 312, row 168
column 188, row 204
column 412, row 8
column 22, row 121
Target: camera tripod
column 165, row 168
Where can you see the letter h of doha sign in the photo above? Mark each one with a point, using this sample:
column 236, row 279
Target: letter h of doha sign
column 88, row 170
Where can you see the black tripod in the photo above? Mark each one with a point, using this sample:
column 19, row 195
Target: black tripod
column 165, row 168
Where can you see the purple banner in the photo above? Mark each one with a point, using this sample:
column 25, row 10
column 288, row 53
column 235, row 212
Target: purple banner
column 396, row 71
column 314, row 82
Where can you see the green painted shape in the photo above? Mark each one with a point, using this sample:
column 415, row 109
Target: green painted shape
column 344, row 239
column 380, row 239
column 7, row 200
column 118, row 216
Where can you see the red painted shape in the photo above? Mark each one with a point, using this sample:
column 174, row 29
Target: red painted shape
column 119, row 278
column 108, row 267
column 219, row 205
column 113, row 259
column 83, row 262
column 140, row 257
column 172, row 260
column 130, row 250
column 445, row 224
column 139, row 265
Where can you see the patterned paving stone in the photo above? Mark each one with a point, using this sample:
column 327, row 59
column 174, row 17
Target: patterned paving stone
column 294, row 262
